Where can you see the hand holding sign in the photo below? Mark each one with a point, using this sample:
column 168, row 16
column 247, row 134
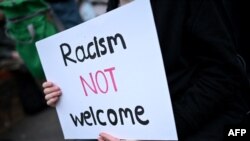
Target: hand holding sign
column 52, row 93
column 107, row 137
column 108, row 83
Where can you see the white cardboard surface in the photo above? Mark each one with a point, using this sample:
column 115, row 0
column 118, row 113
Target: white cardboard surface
column 127, row 78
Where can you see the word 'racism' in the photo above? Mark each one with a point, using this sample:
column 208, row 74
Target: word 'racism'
column 96, row 48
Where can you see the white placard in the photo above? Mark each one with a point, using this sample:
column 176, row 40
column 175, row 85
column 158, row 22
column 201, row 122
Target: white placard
column 111, row 73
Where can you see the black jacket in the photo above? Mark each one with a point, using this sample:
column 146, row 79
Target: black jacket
column 207, row 83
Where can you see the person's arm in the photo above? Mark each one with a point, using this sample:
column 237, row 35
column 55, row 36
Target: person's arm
column 52, row 93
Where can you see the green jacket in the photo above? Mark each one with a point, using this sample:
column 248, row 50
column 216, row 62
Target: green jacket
column 28, row 21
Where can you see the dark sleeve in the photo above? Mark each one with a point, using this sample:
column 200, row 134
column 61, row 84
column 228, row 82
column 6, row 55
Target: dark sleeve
column 112, row 4
column 218, row 75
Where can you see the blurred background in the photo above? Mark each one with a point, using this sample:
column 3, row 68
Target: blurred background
column 24, row 115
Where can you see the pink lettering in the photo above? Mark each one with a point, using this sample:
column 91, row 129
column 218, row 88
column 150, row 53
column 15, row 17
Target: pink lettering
column 101, row 87
column 84, row 82
column 110, row 70
column 106, row 81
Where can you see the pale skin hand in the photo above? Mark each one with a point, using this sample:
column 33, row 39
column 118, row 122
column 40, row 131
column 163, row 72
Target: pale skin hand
column 52, row 93
column 107, row 137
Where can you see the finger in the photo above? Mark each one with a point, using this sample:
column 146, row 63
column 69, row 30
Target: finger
column 47, row 84
column 53, row 94
column 100, row 139
column 52, row 102
column 108, row 137
column 51, row 89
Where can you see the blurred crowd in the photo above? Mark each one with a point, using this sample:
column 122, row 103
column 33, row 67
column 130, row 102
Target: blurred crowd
column 21, row 25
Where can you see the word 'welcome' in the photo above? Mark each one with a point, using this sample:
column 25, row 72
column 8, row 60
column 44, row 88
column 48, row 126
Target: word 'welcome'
column 90, row 118
column 93, row 49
